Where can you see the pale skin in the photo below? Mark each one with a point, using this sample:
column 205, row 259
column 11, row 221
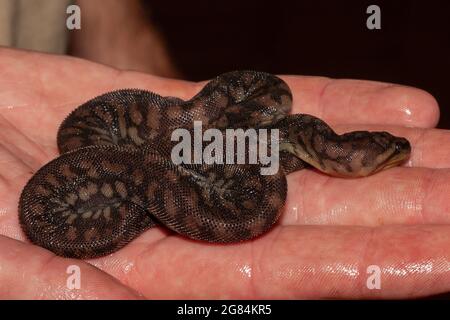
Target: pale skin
column 331, row 229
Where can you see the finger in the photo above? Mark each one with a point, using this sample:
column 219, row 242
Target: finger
column 359, row 101
column 295, row 262
column 333, row 262
column 336, row 101
column 45, row 276
column 55, row 81
column 55, row 85
column 429, row 147
column 395, row 196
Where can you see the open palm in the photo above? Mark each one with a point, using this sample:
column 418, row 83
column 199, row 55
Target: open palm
column 331, row 229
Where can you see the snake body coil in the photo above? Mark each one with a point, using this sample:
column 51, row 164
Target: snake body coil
column 115, row 177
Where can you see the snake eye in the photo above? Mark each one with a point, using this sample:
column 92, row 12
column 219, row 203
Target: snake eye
column 402, row 145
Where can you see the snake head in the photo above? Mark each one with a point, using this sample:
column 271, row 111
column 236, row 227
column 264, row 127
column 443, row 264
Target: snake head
column 396, row 152
column 370, row 152
column 350, row 155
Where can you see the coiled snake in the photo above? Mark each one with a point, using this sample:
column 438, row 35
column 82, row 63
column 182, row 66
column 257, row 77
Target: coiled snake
column 115, row 178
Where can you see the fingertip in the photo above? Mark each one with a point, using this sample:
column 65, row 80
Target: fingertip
column 349, row 101
column 411, row 106
column 44, row 275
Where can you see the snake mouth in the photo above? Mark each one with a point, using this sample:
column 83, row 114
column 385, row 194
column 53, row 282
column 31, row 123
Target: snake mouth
column 396, row 161
column 400, row 155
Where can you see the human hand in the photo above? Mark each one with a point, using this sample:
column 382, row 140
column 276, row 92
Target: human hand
column 331, row 229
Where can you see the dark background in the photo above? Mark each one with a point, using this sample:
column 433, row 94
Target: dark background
column 325, row 38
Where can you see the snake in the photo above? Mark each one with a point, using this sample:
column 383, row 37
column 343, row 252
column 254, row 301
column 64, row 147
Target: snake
column 115, row 177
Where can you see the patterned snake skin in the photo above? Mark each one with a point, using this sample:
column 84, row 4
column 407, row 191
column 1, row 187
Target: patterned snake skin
column 115, row 178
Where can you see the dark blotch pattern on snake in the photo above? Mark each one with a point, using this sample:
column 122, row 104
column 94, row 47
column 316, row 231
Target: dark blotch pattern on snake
column 115, row 178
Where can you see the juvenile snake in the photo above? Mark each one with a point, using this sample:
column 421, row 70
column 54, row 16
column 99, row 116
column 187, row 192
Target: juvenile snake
column 115, row 179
